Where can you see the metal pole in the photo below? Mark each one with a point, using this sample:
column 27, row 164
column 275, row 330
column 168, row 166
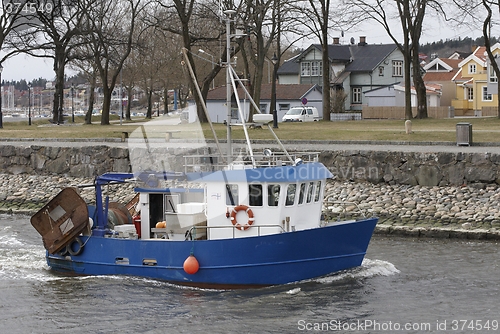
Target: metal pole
column 29, row 104
column 273, row 92
column 229, row 14
column 72, row 103
column 1, row 97
column 121, row 97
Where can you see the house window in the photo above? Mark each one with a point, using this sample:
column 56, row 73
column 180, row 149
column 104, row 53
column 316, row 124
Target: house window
column 305, row 69
column 486, row 96
column 472, row 68
column 469, row 91
column 316, row 68
column 356, row 95
column 397, row 68
column 381, row 71
column 493, row 75
column 284, row 106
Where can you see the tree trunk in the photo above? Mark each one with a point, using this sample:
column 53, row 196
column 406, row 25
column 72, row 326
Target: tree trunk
column 106, row 104
column 88, row 116
column 130, row 94
column 57, row 110
column 165, row 100
column 149, row 112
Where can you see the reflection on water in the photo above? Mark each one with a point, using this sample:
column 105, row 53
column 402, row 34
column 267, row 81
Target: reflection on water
column 401, row 280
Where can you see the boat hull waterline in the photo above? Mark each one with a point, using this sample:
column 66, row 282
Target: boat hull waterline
column 231, row 263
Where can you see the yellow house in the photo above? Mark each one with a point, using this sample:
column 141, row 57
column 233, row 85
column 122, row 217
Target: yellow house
column 473, row 98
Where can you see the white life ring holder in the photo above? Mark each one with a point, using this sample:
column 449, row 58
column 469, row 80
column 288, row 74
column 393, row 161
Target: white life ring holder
column 249, row 212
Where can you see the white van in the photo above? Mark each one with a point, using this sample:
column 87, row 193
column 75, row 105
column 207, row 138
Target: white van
column 301, row 114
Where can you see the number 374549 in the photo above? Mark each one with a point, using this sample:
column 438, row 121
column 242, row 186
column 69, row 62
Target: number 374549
column 27, row 7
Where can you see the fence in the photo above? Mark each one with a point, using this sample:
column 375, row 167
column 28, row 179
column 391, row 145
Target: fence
column 399, row 112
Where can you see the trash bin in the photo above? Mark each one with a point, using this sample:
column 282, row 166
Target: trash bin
column 464, row 134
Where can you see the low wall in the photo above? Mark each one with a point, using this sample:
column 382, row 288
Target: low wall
column 412, row 168
column 86, row 161
column 399, row 112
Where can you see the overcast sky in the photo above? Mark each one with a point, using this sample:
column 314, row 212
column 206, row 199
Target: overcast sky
column 24, row 67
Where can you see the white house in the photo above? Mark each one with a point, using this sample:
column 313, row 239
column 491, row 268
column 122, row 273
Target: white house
column 287, row 96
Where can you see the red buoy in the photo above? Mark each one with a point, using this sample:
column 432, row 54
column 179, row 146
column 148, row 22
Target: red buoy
column 191, row 265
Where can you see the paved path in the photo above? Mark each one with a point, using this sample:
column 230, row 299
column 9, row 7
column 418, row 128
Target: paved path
column 292, row 145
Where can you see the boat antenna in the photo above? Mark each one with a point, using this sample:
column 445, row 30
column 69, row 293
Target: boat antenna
column 229, row 18
column 203, row 105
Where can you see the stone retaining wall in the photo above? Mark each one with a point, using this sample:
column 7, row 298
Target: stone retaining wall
column 414, row 168
column 410, row 168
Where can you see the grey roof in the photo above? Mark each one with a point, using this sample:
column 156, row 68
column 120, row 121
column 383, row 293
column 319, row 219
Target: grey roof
column 367, row 57
column 358, row 58
column 290, row 66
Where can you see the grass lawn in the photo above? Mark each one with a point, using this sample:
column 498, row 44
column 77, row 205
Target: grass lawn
column 484, row 130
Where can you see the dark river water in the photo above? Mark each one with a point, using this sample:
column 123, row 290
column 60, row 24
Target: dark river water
column 404, row 286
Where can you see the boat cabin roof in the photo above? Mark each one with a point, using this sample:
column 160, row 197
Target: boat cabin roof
column 304, row 172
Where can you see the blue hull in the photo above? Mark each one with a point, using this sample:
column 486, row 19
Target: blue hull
column 230, row 263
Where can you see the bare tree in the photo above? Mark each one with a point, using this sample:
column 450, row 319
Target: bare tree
column 493, row 58
column 113, row 25
column 411, row 14
column 13, row 19
column 52, row 34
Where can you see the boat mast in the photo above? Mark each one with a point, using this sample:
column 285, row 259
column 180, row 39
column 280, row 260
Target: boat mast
column 229, row 15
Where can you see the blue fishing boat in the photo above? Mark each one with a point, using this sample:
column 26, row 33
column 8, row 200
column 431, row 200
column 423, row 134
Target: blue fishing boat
column 205, row 216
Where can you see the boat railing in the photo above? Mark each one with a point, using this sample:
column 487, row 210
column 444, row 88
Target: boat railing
column 209, row 163
column 192, row 230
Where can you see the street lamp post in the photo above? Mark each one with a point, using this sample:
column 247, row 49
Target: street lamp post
column 72, row 103
column 213, row 63
column 1, row 96
column 274, row 60
column 29, row 104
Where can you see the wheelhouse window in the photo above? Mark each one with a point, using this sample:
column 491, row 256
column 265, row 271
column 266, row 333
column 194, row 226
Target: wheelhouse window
column 356, row 95
column 273, row 194
column 318, row 191
column 290, row 194
column 232, row 194
column 310, row 192
column 302, row 193
column 397, row 68
column 255, row 194
column 486, row 96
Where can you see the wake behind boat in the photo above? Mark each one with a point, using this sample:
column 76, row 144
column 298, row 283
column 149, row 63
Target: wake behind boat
column 204, row 216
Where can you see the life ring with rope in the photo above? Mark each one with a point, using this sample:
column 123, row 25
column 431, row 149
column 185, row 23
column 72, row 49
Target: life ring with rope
column 248, row 211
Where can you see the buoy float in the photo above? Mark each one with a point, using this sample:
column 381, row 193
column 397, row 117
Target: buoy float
column 191, row 265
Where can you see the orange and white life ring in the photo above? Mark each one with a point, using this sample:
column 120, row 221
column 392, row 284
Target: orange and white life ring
column 249, row 212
